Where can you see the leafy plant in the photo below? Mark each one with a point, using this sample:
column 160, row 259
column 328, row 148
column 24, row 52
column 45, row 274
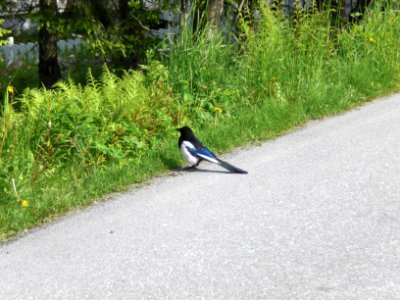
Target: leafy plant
column 63, row 148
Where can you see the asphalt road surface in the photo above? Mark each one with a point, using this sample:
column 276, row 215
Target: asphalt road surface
column 317, row 217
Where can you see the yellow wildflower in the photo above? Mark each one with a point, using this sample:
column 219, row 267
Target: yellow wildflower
column 218, row 109
column 24, row 203
column 10, row 89
column 371, row 40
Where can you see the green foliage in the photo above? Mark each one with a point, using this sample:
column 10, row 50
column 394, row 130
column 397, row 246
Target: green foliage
column 114, row 120
column 202, row 71
column 318, row 68
column 117, row 32
column 66, row 146
column 3, row 32
column 23, row 73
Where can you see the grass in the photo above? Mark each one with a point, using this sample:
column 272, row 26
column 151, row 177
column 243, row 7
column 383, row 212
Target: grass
column 67, row 147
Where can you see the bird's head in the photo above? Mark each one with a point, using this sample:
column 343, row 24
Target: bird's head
column 185, row 130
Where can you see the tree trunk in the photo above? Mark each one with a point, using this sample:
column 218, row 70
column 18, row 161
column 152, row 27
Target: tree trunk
column 182, row 14
column 343, row 15
column 207, row 12
column 49, row 70
column 215, row 11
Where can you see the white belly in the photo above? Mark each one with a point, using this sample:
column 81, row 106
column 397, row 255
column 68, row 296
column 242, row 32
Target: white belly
column 192, row 160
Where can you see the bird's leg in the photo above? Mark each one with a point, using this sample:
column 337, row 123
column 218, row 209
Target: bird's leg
column 189, row 168
column 193, row 167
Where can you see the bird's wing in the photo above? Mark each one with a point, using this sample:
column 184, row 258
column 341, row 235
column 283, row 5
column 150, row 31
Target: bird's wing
column 204, row 154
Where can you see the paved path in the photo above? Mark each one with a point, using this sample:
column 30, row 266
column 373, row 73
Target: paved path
column 317, row 217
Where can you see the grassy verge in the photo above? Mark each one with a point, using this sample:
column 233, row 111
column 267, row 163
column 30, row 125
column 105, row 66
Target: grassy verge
column 69, row 146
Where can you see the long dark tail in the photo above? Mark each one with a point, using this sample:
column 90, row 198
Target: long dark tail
column 231, row 168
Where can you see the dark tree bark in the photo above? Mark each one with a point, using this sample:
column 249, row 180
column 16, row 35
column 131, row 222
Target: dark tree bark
column 215, row 11
column 207, row 12
column 123, row 9
column 103, row 10
column 49, row 69
column 182, row 14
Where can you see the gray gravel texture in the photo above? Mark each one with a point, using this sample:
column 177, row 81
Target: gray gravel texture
column 317, row 217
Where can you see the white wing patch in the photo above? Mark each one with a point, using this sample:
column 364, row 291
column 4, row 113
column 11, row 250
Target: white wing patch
column 207, row 158
column 192, row 160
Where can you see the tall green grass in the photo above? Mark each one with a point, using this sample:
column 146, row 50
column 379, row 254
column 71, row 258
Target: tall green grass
column 66, row 147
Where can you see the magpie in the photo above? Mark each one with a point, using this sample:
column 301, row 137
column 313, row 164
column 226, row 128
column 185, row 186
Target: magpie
column 194, row 151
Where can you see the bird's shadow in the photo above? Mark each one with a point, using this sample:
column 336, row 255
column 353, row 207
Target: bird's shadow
column 192, row 169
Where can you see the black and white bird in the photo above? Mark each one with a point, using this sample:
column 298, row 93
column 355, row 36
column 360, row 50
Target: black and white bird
column 194, row 151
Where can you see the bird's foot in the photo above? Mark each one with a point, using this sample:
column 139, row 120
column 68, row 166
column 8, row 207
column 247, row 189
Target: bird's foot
column 189, row 168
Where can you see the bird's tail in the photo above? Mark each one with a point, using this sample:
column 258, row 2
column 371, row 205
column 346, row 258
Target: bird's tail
column 231, row 168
